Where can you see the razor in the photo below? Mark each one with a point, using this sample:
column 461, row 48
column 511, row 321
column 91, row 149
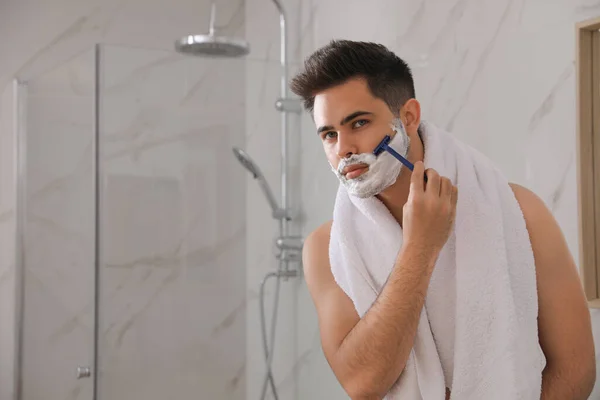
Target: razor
column 384, row 145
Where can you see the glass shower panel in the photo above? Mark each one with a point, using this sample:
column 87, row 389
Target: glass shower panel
column 58, row 231
column 172, row 289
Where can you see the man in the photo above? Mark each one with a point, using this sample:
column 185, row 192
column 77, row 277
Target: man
column 354, row 91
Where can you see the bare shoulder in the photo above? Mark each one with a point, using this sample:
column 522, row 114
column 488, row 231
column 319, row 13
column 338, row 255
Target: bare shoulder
column 544, row 232
column 547, row 239
column 533, row 207
column 319, row 235
column 315, row 255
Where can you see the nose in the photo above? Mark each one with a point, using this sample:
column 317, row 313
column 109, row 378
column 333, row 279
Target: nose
column 345, row 146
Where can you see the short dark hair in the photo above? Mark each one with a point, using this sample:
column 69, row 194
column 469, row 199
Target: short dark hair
column 388, row 76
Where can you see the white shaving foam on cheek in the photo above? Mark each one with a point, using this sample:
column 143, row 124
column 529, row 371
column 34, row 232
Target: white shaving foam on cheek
column 383, row 170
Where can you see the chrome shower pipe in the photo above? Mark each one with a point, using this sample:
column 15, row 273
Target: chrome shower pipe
column 283, row 92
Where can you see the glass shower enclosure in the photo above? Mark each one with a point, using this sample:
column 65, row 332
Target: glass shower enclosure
column 131, row 228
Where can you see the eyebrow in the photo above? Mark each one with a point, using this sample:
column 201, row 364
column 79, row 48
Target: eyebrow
column 344, row 120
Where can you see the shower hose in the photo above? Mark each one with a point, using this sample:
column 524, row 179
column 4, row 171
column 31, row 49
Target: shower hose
column 269, row 347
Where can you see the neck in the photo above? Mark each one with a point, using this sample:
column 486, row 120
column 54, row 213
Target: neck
column 395, row 197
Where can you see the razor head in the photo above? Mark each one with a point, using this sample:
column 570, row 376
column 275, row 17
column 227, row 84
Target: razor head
column 382, row 145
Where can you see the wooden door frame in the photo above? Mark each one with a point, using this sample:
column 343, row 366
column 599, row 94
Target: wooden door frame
column 588, row 156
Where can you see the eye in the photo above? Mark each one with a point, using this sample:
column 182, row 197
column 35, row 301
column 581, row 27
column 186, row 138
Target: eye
column 360, row 123
column 329, row 135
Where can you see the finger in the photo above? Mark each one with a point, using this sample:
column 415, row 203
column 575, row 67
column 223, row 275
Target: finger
column 416, row 179
column 446, row 188
column 454, row 196
column 433, row 182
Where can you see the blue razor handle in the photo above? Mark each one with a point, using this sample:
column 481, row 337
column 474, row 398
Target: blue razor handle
column 384, row 146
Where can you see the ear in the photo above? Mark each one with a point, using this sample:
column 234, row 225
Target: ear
column 410, row 113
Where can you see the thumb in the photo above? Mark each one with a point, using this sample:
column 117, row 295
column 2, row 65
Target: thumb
column 417, row 177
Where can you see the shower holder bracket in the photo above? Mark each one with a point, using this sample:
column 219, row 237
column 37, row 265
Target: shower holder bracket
column 293, row 243
column 289, row 105
column 280, row 213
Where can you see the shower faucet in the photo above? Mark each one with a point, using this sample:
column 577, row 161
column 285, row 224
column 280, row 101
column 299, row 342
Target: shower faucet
column 290, row 247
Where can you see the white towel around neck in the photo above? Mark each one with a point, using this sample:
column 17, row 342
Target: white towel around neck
column 497, row 355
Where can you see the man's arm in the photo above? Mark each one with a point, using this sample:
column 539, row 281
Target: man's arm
column 564, row 319
column 367, row 355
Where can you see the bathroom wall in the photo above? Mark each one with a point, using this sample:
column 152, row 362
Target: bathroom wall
column 173, row 267
column 7, row 245
column 58, row 295
column 263, row 143
column 173, row 276
column 172, row 228
column 500, row 75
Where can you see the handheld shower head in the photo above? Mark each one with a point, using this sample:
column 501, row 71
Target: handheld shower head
column 251, row 166
column 247, row 162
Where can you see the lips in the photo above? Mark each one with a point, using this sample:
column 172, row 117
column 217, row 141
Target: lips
column 354, row 170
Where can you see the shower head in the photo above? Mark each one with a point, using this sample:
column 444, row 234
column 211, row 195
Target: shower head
column 211, row 45
column 248, row 163
column 251, row 166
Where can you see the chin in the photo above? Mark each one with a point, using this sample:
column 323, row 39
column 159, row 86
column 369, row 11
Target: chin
column 362, row 195
column 367, row 192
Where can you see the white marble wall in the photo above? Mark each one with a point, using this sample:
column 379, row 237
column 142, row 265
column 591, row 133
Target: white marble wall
column 58, row 322
column 301, row 370
column 173, row 277
column 7, row 246
column 173, row 274
column 500, row 75
column 263, row 141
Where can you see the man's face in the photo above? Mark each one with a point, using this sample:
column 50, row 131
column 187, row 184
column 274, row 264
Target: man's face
column 350, row 120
